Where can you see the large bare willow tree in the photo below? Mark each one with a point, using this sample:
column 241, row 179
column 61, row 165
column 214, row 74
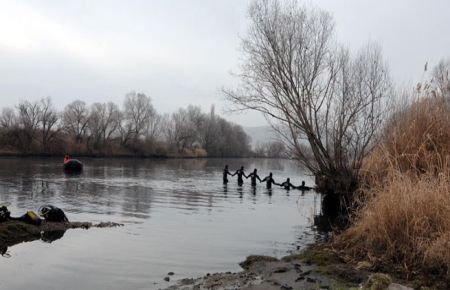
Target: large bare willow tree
column 327, row 103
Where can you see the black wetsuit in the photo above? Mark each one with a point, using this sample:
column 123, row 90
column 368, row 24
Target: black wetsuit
column 287, row 185
column 240, row 173
column 225, row 177
column 254, row 176
column 269, row 181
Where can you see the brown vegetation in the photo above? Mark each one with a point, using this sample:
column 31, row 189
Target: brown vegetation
column 404, row 215
column 103, row 129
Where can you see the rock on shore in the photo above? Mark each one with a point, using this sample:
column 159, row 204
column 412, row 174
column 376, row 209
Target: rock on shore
column 311, row 269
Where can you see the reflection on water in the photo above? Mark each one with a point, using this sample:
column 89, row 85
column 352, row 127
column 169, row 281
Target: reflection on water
column 178, row 217
column 47, row 237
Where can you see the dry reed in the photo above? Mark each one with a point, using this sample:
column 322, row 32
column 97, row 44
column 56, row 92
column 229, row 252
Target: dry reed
column 404, row 215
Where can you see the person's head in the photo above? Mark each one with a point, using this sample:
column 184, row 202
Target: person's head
column 242, row 167
column 255, row 170
column 226, row 166
column 303, row 183
column 288, row 179
column 270, row 174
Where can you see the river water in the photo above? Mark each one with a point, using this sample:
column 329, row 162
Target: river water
column 177, row 215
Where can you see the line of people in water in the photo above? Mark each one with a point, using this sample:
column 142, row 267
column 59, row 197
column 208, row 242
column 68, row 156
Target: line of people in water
column 254, row 176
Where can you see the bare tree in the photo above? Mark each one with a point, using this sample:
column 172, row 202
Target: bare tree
column 48, row 119
column 182, row 132
column 276, row 149
column 154, row 128
column 8, row 128
column 313, row 91
column 104, row 121
column 138, row 113
column 441, row 78
column 209, row 132
column 28, row 120
column 8, row 118
column 75, row 119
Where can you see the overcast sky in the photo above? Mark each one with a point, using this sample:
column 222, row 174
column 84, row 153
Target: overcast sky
column 181, row 52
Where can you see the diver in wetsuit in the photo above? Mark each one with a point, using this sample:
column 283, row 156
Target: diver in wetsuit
column 303, row 187
column 240, row 173
column 30, row 217
column 269, row 181
column 254, row 176
column 287, row 184
column 225, row 174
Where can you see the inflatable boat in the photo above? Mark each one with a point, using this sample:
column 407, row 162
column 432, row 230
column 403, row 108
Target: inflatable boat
column 72, row 165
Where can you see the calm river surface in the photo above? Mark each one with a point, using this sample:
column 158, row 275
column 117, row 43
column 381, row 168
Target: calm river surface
column 178, row 217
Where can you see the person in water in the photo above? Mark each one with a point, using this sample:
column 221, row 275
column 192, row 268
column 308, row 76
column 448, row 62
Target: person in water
column 253, row 176
column 287, row 184
column 240, row 173
column 225, row 174
column 303, row 187
column 269, row 181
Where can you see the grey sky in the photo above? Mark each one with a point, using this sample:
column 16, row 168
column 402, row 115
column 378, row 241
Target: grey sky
column 181, row 52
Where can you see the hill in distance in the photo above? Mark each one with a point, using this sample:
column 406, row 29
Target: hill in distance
column 261, row 134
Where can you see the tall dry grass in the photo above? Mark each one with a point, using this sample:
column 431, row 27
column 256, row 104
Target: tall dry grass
column 404, row 214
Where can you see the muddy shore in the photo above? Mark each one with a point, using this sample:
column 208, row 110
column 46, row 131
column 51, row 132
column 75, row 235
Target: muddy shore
column 317, row 267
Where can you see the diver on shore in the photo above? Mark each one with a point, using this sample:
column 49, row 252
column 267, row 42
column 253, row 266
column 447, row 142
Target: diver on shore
column 269, row 181
column 240, row 173
column 225, row 174
column 253, row 176
column 52, row 213
column 30, row 217
column 48, row 212
column 4, row 214
column 287, row 184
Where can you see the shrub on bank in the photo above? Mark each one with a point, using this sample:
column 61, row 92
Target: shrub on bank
column 404, row 214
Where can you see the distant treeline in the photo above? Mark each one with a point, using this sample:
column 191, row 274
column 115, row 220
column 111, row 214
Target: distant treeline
column 104, row 129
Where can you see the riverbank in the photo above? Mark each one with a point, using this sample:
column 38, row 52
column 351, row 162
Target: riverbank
column 10, row 154
column 15, row 232
column 17, row 154
column 317, row 267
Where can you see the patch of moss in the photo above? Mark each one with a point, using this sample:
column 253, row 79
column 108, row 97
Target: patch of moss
column 250, row 260
column 319, row 257
column 377, row 281
column 325, row 269
column 336, row 287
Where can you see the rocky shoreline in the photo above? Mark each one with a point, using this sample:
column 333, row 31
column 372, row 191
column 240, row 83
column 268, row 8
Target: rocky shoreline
column 317, row 267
